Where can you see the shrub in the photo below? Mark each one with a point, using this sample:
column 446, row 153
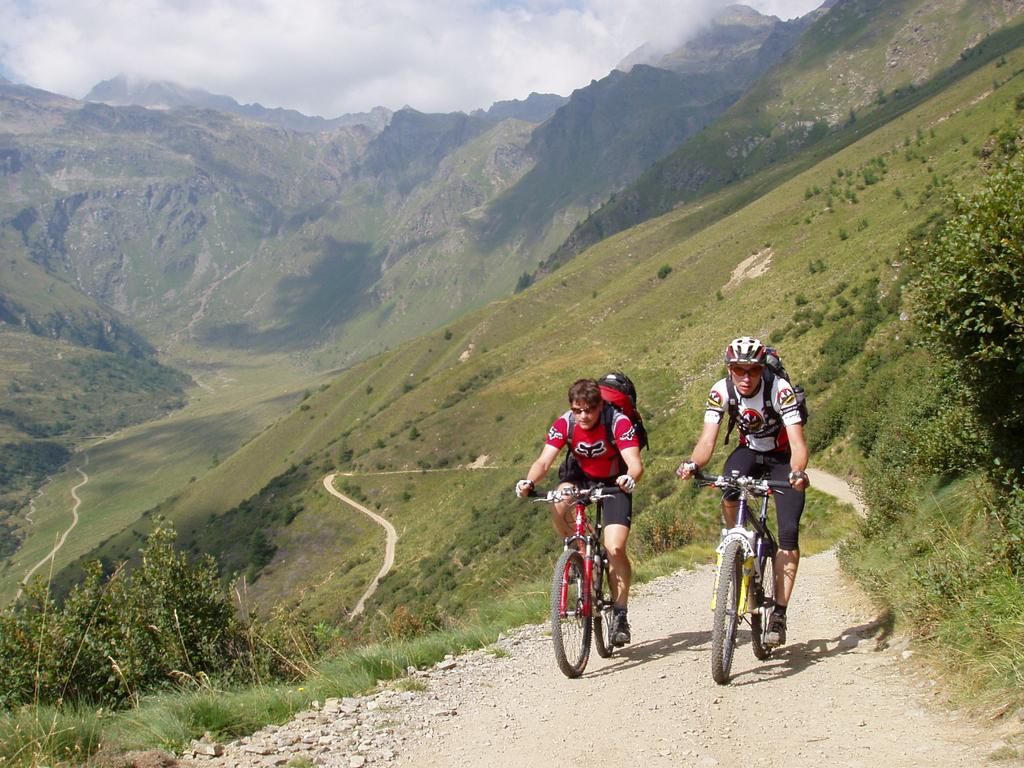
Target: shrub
column 968, row 297
column 662, row 529
column 120, row 634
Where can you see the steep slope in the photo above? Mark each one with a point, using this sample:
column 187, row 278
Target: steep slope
column 408, row 424
column 856, row 59
column 209, row 232
column 433, row 267
column 144, row 211
column 613, row 129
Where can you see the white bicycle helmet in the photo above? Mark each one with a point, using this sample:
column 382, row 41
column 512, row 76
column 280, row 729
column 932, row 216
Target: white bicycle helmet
column 745, row 349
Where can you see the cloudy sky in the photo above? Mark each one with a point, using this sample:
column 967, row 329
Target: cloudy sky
column 329, row 57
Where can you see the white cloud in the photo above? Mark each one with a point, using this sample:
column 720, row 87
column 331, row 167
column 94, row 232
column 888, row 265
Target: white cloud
column 329, row 57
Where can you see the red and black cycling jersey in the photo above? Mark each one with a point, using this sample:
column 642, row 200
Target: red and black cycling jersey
column 595, row 453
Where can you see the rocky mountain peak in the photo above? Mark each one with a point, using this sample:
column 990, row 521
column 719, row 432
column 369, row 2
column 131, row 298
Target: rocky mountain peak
column 123, row 90
column 742, row 15
column 535, row 108
column 735, row 32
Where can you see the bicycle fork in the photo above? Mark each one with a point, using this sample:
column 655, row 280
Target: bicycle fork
column 746, row 585
column 585, row 605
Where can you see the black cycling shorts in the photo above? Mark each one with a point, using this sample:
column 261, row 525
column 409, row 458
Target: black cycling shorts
column 616, row 509
column 789, row 504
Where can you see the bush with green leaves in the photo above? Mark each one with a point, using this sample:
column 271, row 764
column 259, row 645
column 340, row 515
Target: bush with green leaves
column 968, row 299
column 121, row 634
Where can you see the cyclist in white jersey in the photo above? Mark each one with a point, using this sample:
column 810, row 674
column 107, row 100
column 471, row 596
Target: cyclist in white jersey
column 771, row 444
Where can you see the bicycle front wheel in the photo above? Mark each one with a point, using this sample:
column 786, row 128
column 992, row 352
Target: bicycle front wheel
column 762, row 614
column 727, row 603
column 570, row 626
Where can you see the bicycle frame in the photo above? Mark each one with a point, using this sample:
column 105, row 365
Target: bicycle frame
column 576, row 607
column 743, row 558
column 753, row 540
column 589, row 544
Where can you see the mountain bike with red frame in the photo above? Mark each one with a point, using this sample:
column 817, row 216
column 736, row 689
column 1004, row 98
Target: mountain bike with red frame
column 581, row 601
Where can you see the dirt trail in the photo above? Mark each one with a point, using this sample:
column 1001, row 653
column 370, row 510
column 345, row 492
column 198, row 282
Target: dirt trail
column 63, row 537
column 840, row 693
column 837, row 487
column 389, row 548
column 834, row 696
column 837, row 694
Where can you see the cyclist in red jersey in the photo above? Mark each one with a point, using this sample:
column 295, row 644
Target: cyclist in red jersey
column 771, row 444
column 595, row 458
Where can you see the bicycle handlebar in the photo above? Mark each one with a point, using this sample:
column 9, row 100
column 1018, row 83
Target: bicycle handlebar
column 756, row 486
column 579, row 495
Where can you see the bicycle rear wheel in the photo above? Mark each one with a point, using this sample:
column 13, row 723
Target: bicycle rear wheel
column 762, row 615
column 727, row 602
column 602, row 611
column 570, row 628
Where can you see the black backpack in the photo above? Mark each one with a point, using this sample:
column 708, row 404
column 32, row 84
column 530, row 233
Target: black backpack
column 773, row 368
column 619, row 395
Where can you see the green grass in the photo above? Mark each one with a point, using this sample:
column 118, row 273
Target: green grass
column 939, row 572
column 798, row 113
column 142, row 466
column 46, row 735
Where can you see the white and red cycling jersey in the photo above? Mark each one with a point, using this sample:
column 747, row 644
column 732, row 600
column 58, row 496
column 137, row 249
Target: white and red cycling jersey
column 597, row 456
column 760, row 420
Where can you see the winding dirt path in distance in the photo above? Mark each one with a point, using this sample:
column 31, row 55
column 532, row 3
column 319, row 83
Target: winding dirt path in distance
column 63, row 537
column 836, row 487
column 389, row 549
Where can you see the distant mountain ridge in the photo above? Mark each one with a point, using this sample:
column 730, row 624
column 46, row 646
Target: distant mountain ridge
column 122, row 91
column 612, row 130
column 199, row 226
column 535, row 108
column 417, row 218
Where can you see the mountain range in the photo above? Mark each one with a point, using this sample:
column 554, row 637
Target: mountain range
column 140, row 241
column 122, row 91
column 431, row 214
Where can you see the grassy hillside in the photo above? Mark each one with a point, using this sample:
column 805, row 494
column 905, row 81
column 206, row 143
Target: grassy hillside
column 809, row 265
column 57, row 394
column 138, row 467
column 858, row 66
